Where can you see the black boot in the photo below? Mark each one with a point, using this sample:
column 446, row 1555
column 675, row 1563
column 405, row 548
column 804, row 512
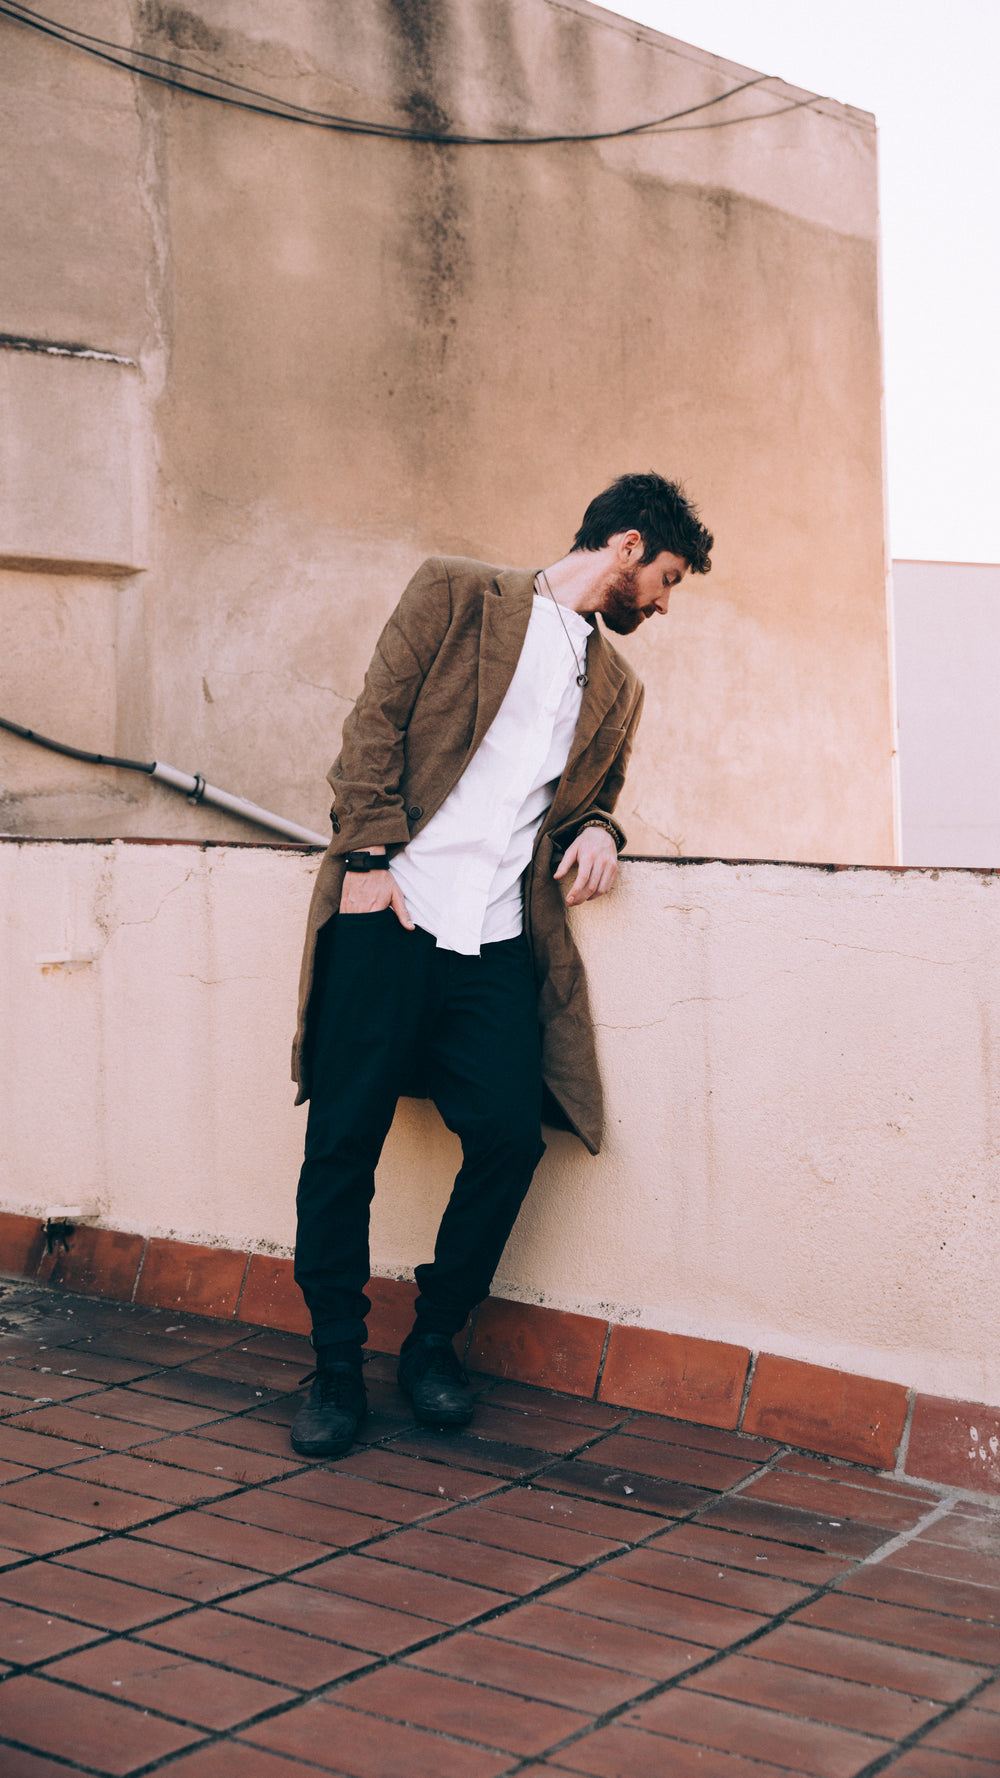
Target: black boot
column 326, row 1425
column 430, row 1374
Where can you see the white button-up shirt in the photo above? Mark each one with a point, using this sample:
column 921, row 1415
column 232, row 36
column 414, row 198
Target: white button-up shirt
column 461, row 875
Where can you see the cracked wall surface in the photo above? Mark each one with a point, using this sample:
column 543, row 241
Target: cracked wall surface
column 326, row 356
column 801, row 1065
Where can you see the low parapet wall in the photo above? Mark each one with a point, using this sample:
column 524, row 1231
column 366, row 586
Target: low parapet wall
column 801, row 1065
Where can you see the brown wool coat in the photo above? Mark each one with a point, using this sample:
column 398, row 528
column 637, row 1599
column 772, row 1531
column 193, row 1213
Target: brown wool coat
column 439, row 674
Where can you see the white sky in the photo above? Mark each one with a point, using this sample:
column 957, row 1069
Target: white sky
column 931, row 75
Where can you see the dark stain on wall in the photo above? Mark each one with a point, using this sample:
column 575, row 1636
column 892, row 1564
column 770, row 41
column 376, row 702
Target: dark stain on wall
column 418, row 34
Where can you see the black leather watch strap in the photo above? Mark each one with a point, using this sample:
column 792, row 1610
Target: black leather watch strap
column 363, row 861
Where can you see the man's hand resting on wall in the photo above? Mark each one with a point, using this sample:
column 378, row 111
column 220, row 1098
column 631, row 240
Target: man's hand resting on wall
column 595, row 856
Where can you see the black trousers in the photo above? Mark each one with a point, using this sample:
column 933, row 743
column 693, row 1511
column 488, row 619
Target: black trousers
column 387, row 1004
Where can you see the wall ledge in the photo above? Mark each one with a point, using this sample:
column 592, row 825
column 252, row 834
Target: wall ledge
column 863, row 1420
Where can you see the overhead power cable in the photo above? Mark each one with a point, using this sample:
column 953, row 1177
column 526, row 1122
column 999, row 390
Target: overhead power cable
column 191, row 784
column 202, row 84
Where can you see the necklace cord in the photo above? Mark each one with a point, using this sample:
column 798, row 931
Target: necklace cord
column 581, row 665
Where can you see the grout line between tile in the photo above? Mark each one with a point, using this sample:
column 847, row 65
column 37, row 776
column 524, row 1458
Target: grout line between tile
column 601, row 1363
column 130, row 1299
column 904, row 1538
column 243, row 1285
column 747, row 1385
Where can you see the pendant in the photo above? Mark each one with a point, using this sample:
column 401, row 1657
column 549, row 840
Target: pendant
column 581, row 679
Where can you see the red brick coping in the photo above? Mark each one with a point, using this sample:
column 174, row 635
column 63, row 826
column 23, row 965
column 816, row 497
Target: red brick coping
column 860, row 1419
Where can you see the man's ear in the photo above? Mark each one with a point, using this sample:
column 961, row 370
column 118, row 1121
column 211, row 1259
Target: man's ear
column 630, row 545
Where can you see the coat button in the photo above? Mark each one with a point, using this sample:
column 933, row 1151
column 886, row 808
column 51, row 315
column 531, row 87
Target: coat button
column 415, row 812
column 334, row 820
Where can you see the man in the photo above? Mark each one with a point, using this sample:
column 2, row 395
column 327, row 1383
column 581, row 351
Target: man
column 479, row 772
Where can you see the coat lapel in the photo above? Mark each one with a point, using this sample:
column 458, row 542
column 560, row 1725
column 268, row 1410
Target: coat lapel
column 605, row 679
column 506, row 615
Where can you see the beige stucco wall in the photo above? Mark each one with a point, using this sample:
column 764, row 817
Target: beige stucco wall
column 329, row 355
column 802, row 1069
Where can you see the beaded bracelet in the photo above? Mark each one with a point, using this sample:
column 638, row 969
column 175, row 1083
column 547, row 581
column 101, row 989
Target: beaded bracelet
column 608, row 826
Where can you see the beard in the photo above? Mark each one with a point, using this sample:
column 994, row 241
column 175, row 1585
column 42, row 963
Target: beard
column 620, row 606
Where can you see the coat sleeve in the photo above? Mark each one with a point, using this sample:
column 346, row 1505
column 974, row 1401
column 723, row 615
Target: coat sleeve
column 368, row 807
column 602, row 803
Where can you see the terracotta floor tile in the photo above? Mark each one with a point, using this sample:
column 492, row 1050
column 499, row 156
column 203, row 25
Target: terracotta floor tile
column 330, row 1487
column 89, row 1598
column 452, row 1707
column 225, row 1759
column 848, row 1657
column 253, row 1370
column 557, row 1407
column 541, row 1537
column 223, row 1540
column 382, row 1582
column 214, row 1331
column 79, row 1727
column 323, row 1732
column 37, row 1534
column 481, row 1566
column 132, row 1673
column 87, row 1429
column 85, row 1503
column 837, row 1499
column 757, row 1555
column 521, row 1428
column 670, row 1614
column 34, row 1386
column 175, row 1572
column 806, row 1747
column 19, row 1444
column 214, row 1394
column 11, row 1405
column 14, row 1472
column 19, row 1764
column 670, row 1462
column 155, row 1481
column 967, row 1530
column 582, row 1637
column 926, row 1762
column 79, row 1361
column 701, row 1438
column 148, row 1347
column 250, row 1434
column 786, row 1524
column 616, row 1751
column 924, row 1630
column 843, row 1703
column 261, row 1649
column 829, row 1469
column 489, row 1456
column 923, row 1557
column 319, row 1612
column 327, row 1525
column 141, row 1408
column 231, row 1462
column 530, row 1672
column 270, row 1342
column 660, row 1567
column 621, row 1487
column 444, row 1481
column 927, row 1592
column 616, row 1524
column 969, row 1731
column 30, row 1636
